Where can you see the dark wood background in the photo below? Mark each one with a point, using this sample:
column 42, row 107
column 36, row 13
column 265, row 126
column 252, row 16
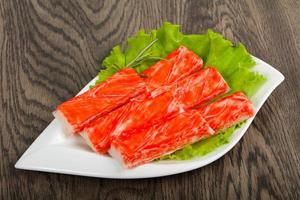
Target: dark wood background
column 50, row 49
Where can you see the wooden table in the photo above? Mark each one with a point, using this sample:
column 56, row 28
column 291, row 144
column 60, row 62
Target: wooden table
column 50, row 49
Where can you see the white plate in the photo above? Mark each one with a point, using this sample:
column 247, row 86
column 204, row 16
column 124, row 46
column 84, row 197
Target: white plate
column 52, row 151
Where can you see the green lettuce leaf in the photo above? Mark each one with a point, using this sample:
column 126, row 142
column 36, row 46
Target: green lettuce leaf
column 246, row 81
column 136, row 44
column 113, row 63
column 202, row 49
column 233, row 61
column 169, row 37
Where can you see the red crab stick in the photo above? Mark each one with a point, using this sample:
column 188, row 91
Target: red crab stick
column 227, row 111
column 144, row 111
column 200, row 87
column 101, row 99
column 97, row 134
column 143, row 145
column 178, row 64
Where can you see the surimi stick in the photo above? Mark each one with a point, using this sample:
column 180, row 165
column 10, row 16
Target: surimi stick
column 101, row 99
column 177, row 65
column 142, row 145
column 228, row 111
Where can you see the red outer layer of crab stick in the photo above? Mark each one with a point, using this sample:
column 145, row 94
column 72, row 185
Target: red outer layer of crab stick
column 200, row 87
column 227, row 111
column 143, row 145
column 101, row 99
column 145, row 111
column 96, row 134
column 177, row 65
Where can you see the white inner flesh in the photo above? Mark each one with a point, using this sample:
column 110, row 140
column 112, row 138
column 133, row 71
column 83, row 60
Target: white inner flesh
column 68, row 129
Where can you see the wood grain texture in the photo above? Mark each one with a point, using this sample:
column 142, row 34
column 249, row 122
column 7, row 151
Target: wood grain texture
column 50, row 49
